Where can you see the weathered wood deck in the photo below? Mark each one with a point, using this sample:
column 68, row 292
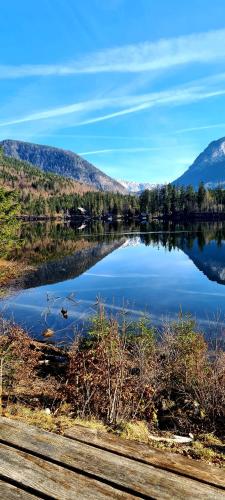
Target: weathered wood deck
column 85, row 464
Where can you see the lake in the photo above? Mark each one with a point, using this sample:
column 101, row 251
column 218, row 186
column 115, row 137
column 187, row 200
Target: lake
column 152, row 269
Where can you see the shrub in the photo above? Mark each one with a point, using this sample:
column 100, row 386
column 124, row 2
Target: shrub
column 122, row 372
column 110, row 373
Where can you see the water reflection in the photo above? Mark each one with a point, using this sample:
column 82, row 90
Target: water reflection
column 63, row 251
column 152, row 267
column 203, row 243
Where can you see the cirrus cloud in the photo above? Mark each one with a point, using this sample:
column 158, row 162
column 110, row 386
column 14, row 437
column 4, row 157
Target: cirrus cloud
column 164, row 53
column 125, row 105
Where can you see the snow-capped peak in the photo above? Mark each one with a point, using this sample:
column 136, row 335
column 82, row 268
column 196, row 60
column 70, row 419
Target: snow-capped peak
column 136, row 187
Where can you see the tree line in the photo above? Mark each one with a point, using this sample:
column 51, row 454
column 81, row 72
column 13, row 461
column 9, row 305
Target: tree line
column 163, row 201
column 93, row 204
column 45, row 194
column 170, row 200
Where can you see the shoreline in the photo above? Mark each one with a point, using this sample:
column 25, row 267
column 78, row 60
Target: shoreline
column 48, row 386
column 192, row 216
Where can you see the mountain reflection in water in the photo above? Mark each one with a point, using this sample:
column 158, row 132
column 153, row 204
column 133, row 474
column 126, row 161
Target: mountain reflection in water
column 153, row 268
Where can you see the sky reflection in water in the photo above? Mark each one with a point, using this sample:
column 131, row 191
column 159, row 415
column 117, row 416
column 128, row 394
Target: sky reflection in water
column 156, row 273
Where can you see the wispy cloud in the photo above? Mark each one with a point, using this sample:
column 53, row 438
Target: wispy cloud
column 97, row 136
column 161, row 54
column 58, row 111
column 117, row 150
column 128, row 104
column 176, row 98
column 200, row 127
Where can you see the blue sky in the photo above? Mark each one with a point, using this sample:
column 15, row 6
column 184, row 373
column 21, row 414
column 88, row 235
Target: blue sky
column 138, row 88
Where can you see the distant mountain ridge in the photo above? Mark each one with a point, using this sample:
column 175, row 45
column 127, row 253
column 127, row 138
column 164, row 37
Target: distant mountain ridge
column 61, row 162
column 32, row 182
column 136, row 187
column 209, row 167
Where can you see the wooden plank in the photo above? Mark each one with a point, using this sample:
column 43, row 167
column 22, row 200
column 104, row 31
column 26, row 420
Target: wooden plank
column 144, row 453
column 10, row 492
column 122, row 473
column 52, row 481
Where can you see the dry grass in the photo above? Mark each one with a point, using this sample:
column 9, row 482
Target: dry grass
column 91, row 423
column 137, row 431
column 38, row 418
column 53, row 422
column 210, row 440
column 210, row 454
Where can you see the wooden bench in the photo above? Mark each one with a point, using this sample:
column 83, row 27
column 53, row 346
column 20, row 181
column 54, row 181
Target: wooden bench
column 86, row 464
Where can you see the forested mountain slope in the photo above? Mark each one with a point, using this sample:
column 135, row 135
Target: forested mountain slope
column 31, row 181
column 45, row 194
column 61, row 162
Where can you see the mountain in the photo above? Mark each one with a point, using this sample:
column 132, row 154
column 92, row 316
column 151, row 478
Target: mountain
column 61, row 162
column 210, row 260
column 69, row 266
column 136, row 187
column 209, row 167
column 54, row 253
column 32, row 182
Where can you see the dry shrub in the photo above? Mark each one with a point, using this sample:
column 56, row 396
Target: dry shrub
column 19, row 360
column 191, row 380
column 213, row 397
column 20, row 357
column 109, row 375
column 121, row 372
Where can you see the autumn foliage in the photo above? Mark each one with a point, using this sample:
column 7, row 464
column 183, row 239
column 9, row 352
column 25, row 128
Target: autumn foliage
column 122, row 371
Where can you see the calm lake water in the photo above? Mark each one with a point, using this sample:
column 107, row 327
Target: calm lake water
column 152, row 269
